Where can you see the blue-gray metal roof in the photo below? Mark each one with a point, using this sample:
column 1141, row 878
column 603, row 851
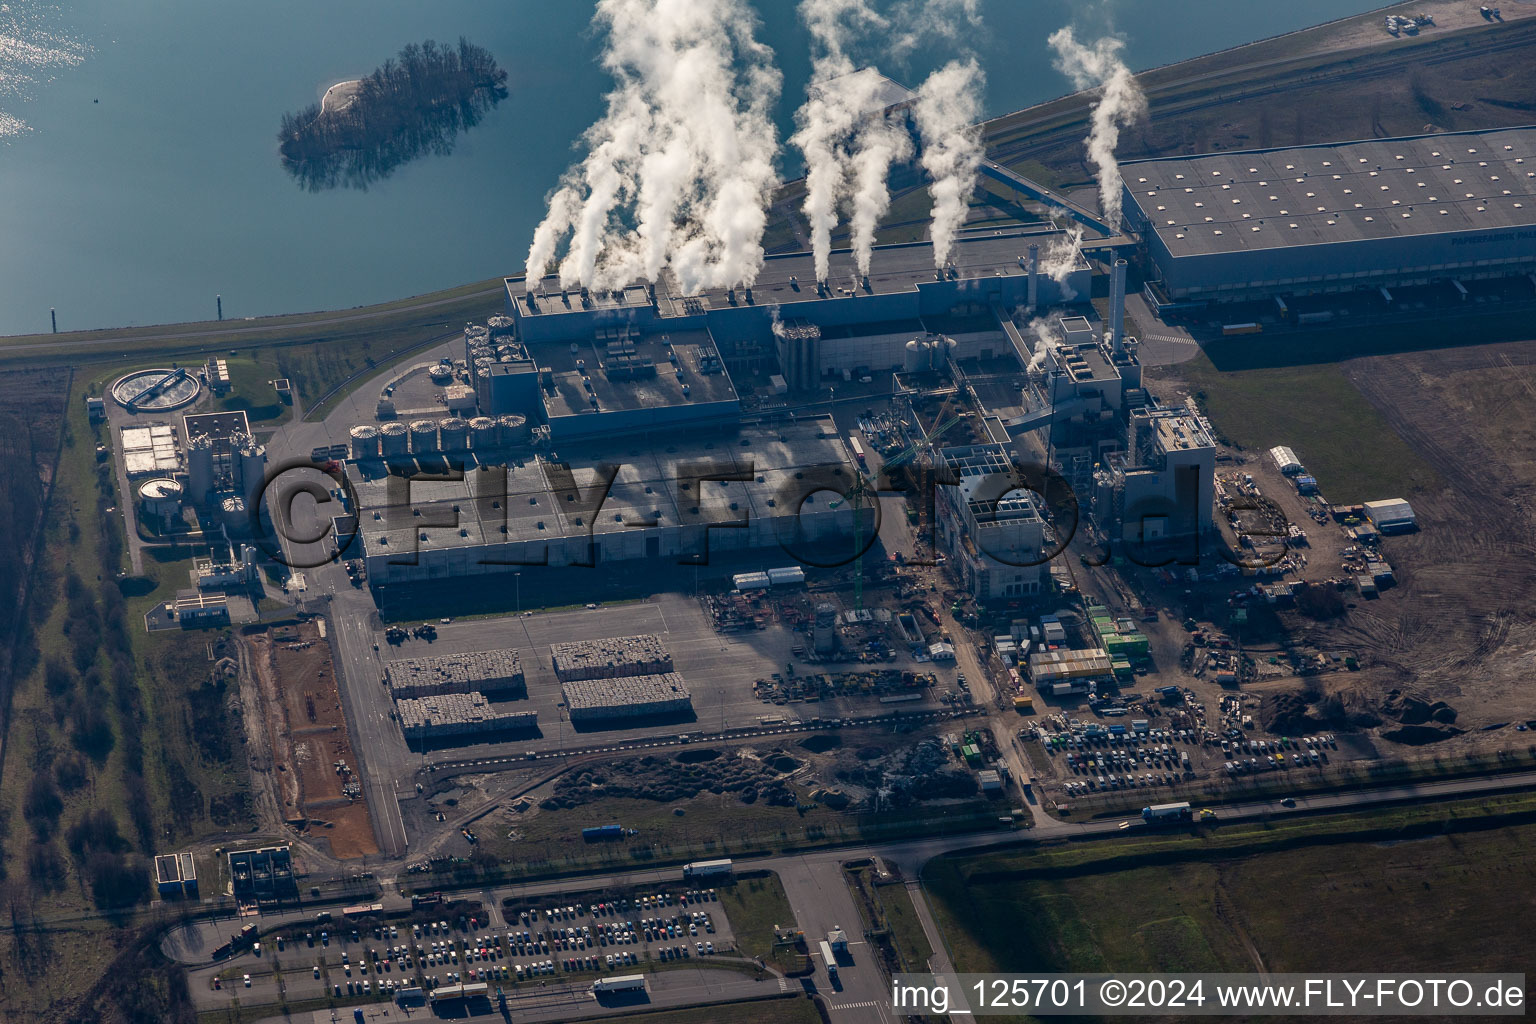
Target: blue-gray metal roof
column 1342, row 192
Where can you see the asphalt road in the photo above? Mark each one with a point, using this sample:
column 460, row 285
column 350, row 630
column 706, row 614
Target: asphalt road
column 228, row 332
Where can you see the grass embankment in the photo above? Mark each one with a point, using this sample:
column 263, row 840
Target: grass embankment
column 1397, row 890
column 321, row 353
column 890, row 919
column 549, row 842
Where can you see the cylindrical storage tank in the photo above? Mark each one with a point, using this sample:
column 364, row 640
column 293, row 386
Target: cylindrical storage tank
column 160, row 499
column 454, row 434
column 233, row 513
column 364, row 442
column 915, row 357
column 943, row 350
column 441, row 372
column 395, row 439
column 423, row 437
column 499, row 325
column 482, row 432
column 513, row 428
column 253, row 470
column 199, row 469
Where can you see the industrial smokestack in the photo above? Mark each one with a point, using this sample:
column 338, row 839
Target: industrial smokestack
column 1034, row 276
column 1117, row 305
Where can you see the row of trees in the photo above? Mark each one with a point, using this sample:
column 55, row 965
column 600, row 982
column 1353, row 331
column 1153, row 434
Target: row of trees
column 85, row 699
column 414, row 104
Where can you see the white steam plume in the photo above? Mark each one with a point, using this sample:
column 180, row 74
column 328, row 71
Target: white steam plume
column 915, row 22
column 1045, row 343
column 848, row 145
column 948, row 104
column 880, row 145
column 680, row 165
column 1120, row 103
column 1059, row 258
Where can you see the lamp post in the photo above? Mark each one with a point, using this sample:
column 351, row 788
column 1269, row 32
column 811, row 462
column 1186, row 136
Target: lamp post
column 517, row 581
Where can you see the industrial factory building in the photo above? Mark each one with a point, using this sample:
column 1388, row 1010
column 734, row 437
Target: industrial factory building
column 757, row 488
column 226, row 466
column 1163, row 485
column 262, row 875
column 629, row 696
column 1334, row 218
column 498, row 672
column 457, row 714
column 991, row 529
column 646, row 356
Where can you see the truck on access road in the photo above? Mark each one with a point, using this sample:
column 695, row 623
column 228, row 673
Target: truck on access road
column 619, row 983
column 706, row 868
column 1167, row 813
column 829, row 958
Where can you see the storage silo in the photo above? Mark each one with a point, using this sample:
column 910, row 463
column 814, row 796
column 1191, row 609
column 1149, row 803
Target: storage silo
column 232, row 510
column 364, row 440
column 454, row 433
column 253, row 470
column 423, row 437
column 500, row 325
column 395, row 439
column 916, row 359
column 513, row 428
column 199, row 469
column 482, row 432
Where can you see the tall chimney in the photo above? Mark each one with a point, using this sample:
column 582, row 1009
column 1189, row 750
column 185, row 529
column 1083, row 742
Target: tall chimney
column 1034, row 277
column 1117, row 305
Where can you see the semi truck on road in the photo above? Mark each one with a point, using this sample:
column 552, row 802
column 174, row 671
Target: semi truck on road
column 706, row 868
column 1167, row 813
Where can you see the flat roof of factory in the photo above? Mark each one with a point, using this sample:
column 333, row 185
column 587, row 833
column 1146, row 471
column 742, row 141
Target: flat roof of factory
column 546, row 500
column 791, row 277
column 632, row 371
column 216, row 424
column 1340, row 192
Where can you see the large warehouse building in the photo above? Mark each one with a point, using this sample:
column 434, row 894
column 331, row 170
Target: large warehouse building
column 1332, row 218
column 756, row 488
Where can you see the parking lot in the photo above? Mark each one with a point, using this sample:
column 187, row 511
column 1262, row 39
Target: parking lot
column 566, row 940
column 1091, row 757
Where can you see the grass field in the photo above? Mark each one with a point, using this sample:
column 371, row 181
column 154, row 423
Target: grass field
column 887, row 914
column 1367, row 892
column 711, row 825
column 754, row 905
column 1349, row 446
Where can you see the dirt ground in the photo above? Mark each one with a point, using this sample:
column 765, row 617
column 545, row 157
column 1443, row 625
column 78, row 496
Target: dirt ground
column 308, row 735
column 1460, row 619
column 1457, row 626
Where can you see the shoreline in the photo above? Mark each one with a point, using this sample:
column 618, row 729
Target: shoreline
column 13, row 343
column 340, row 96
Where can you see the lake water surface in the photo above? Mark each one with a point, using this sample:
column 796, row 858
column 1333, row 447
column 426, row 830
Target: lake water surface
column 139, row 174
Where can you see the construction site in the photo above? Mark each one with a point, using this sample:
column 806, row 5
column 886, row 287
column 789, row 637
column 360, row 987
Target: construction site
column 308, row 762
